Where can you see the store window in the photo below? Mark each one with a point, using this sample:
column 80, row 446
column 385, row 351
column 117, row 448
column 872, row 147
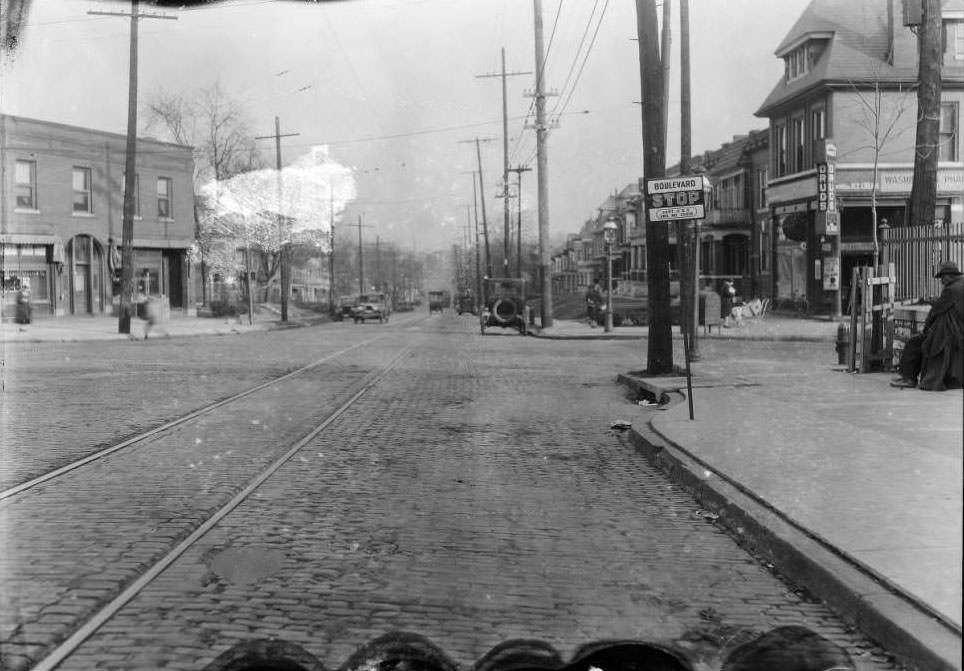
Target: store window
column 82, row 199
column 948, row 139
column 26, row 185
column 164, row 192
column 147, row 272
column 24, row 266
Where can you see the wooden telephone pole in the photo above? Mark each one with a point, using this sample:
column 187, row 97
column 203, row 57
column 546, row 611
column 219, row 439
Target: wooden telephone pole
column 480, row 196
column 361, row 256
column 518, row 242
column 331, row 251
column 130, row 171
column 924, row 188
column 285, row 242
column 660, row 341
column 542, row 172
column 505, row 158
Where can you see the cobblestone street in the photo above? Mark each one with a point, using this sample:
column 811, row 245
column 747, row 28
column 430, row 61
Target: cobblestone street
column 475, row 494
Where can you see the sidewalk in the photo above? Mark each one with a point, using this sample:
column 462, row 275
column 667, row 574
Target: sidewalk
column 85, row 328
column 773, row 327
column 849, row 487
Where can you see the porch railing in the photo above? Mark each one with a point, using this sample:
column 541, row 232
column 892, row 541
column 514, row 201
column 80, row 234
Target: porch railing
column 917, row 252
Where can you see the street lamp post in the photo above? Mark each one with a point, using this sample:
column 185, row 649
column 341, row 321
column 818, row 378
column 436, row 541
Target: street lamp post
column 609, row 236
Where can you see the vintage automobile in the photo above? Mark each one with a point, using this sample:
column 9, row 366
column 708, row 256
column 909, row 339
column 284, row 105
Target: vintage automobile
column 437, row 301
column 371, row 306
column 465, row 302
column 343, row 308
column 504, row 304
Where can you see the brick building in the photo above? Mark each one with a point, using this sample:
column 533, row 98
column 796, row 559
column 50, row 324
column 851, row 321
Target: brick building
column 61, row 217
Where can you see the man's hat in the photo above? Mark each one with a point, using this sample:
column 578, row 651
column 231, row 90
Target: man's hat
column 948, row 268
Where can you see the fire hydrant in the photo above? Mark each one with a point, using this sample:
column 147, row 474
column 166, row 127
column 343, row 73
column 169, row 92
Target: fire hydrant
column 843, row 343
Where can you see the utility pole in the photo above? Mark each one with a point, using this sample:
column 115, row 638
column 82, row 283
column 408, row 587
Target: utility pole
column 481, row 197
column 285, row 243
column 478, row 252
column 505, row 157
column 130, row 170
column 361, row 257
column 924, row 188
column 518, row 260
column 378, row 263
column 665, row 55
column 660, row 341
column 542, row 175
column 686, row 168
column 331, row 252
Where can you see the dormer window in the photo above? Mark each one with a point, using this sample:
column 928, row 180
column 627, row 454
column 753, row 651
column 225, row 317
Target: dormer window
column 802, row 55
column 799, row 61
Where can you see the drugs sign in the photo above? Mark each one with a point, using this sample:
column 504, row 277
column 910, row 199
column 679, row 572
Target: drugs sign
column 675, row 198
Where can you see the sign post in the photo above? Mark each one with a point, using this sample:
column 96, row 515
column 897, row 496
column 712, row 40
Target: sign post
column 680, row 199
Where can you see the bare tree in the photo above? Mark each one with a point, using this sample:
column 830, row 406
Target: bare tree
column 213, row 123
column 880, row 117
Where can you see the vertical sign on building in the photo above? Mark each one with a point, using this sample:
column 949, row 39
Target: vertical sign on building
column 828, row 218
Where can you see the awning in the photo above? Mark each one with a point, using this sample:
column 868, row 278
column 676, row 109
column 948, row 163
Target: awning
column 36, row 239
column 29, row 239
column 174, row 243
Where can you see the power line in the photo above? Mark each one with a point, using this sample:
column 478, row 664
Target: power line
column 532, row 103
column 582, row 41
column 585, row 59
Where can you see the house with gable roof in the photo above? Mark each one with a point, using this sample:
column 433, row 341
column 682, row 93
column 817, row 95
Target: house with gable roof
column 844, row 59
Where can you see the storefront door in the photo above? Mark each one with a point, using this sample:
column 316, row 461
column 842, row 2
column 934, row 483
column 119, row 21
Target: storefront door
column 85, row 280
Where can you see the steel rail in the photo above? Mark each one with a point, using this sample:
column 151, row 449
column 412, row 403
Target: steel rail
column 63, row 650
column 167, row 426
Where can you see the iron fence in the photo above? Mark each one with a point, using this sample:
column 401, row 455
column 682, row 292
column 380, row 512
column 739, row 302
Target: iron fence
column 917, row 252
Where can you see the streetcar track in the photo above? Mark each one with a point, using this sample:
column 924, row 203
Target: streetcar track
column 53, row 659
column 167, row 426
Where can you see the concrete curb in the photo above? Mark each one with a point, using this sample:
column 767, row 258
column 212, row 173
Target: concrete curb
column 221, row 330
column 916, row 638
column 536, row 332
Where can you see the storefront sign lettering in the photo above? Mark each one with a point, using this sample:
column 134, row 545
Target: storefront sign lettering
column 675, row 199
column 896, row 181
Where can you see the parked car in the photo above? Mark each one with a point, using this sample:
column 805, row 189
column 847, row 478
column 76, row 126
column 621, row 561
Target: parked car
column 504, row 304
column 344, row 307
column 371, row 306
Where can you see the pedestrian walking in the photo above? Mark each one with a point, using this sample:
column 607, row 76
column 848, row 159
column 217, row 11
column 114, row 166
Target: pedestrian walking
column 593, row 302
column 933, row 360
column 24, row 308
column 153, row 316
column 727, row 300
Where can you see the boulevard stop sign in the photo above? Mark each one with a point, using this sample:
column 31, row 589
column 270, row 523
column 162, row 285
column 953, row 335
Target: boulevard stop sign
column 676, row 198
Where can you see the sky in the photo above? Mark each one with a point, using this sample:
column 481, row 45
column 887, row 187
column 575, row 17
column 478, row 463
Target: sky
column 392, row 90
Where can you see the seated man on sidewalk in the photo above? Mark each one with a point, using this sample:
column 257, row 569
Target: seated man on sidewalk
column 936, row 355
